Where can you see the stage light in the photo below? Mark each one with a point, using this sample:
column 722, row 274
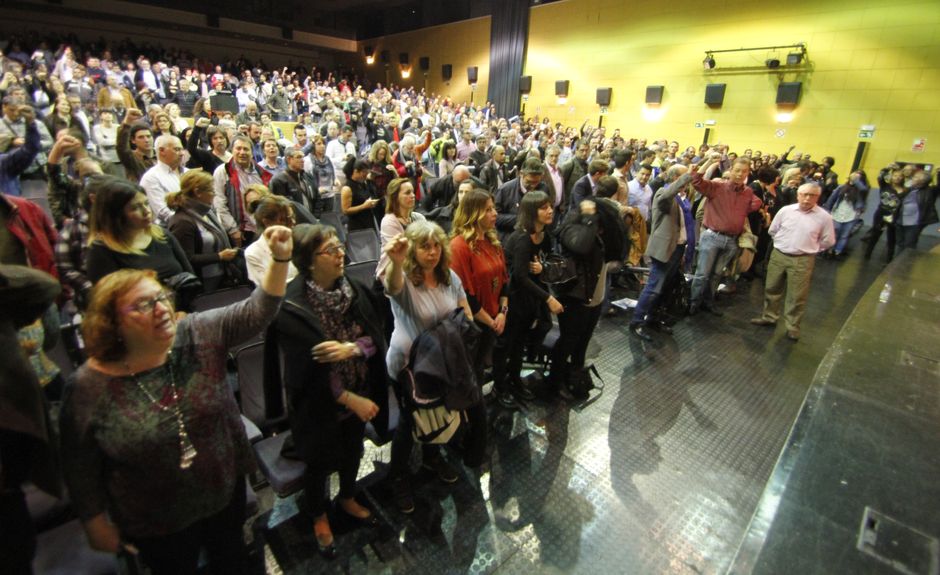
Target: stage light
column 794, row 59
column 772, row 63
column 709, row 62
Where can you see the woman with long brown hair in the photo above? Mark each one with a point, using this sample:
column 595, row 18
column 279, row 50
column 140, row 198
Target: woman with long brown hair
column 477, row 257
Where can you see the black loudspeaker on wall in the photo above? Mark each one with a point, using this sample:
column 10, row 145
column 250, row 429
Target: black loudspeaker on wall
column 715, row 94
column 603, row 96
column 425, row 63
column 403, row 58
column 472, row 74
column 447, row 71
column 788, row 93
column 561, row 88
column 654, row 94
column 525, row 84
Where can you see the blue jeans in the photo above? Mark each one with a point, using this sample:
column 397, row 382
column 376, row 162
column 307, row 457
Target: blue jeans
column 843, row 230
column 715, row 251
column 660, row 272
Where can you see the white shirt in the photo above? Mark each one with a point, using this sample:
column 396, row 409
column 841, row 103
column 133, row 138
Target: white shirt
column 640, row 197
column 159, row 181
column 337, row 151
column 258, row 259
column 797, row 232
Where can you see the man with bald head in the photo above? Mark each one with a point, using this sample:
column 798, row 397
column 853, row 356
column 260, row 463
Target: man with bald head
column 444, row 189
column 800, row 231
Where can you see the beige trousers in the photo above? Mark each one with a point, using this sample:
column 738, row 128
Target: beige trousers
column 788, row 275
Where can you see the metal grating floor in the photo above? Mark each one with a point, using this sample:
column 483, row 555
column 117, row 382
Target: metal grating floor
column 660, row 475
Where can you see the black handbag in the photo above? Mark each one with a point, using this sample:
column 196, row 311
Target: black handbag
column 558, row 269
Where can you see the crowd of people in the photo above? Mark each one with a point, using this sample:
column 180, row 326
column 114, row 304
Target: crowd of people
column 491, row 231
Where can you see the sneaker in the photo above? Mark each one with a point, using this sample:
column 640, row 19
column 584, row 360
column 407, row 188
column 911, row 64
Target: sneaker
column 439, row 466
column 793, row 335
column 401, row 493
column 763, row 321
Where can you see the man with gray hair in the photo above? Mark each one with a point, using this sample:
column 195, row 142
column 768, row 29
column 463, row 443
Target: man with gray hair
column 163, row 177
column 665, row 248
column 800, row 231
column 510, row 194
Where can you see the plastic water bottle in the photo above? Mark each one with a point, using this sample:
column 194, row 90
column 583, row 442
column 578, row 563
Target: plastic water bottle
column 885, row 293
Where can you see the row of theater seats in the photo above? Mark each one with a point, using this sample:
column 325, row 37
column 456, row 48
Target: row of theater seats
column 62, row 547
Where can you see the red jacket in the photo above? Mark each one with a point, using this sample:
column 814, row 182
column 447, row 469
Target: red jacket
column 33, row 228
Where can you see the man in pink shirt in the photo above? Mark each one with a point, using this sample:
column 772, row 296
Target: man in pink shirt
column 800, row 231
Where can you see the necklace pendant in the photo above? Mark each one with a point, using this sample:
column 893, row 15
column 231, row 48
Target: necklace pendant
column 187, row 450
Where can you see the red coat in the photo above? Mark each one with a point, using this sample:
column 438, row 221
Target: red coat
column 33, row 228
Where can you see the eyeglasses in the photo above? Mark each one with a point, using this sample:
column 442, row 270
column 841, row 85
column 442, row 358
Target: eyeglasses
column 332, row 251
column 145, row 306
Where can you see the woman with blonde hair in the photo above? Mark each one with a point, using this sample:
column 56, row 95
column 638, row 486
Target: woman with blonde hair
column 200, row 233
column 478, row 260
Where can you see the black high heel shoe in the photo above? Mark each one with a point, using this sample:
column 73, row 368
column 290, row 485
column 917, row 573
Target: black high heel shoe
column 370, row 521
column 327, row 551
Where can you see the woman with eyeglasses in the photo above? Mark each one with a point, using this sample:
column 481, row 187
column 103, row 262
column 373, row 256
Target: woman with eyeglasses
column 269, row 211
column 122, row 234
column 197, row 228
column 331, row 328
column 154, row 450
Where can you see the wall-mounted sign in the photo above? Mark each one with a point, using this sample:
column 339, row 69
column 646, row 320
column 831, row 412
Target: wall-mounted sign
column 866, row 134
column 781, row 132
column 919, row 145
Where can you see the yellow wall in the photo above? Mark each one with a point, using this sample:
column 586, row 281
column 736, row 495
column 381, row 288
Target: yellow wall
column 460, row 45
column 870, row 62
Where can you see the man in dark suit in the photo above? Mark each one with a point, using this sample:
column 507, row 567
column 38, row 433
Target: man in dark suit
column 443, row 189
column 665, row 248
column 493, row 172
column 510, row 194
column 584, row 188
column 573, row 169
column 294, row 183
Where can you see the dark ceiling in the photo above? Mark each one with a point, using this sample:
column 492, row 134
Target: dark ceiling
column 356, row 19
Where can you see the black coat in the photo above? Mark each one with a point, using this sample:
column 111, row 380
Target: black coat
column 311, row 408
